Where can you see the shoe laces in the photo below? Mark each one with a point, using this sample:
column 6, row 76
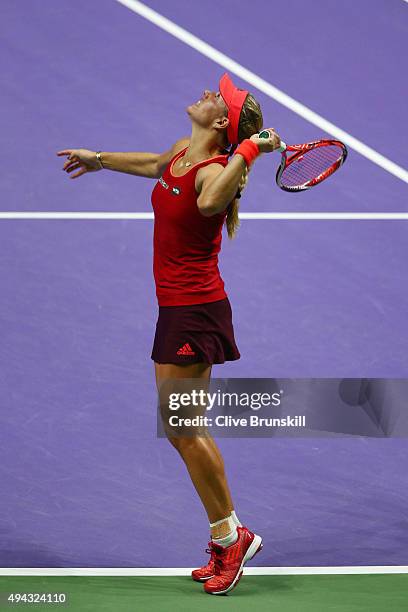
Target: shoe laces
column 210, row 550
column 218, row 564
column 218, row 559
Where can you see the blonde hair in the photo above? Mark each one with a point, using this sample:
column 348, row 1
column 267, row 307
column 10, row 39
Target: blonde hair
column 250, row 122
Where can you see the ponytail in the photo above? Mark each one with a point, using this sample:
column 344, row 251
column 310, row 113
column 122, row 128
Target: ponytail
column 232, row 220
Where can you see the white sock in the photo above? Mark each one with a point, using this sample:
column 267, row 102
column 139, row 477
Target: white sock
column 231, row 537
column 235, row 519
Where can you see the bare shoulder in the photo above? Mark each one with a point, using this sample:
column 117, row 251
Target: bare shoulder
column 207, row 174
column 164, row 158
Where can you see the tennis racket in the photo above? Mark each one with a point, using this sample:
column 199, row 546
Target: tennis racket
column 306, row 165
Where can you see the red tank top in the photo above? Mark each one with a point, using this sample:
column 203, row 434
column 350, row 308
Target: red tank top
column 185, row 244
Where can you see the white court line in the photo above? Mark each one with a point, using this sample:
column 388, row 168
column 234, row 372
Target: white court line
column 186, row 571
column 262, row 85
column 290, row 216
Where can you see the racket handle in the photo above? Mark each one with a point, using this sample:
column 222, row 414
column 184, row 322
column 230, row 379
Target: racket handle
column 265, row 134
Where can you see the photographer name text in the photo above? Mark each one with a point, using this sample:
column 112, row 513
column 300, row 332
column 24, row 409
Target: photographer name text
column 229, row 421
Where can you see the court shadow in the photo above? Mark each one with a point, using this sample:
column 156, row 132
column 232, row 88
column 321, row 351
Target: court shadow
column 23, row 555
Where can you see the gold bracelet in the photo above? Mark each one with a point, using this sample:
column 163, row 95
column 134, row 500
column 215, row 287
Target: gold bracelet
column 98, row 157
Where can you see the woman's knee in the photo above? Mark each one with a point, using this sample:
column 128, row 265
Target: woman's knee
column 182, row 445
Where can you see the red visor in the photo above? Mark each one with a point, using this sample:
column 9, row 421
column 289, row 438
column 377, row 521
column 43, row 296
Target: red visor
column 234, row 98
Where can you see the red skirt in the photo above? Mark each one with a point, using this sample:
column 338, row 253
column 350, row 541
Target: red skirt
column 200, row 333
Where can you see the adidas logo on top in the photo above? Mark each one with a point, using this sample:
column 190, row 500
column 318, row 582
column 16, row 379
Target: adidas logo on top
column 185, row 350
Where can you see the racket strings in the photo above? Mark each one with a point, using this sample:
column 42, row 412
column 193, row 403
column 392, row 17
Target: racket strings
column 310, row 165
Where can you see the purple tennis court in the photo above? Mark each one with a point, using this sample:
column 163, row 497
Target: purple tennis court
column 85, row 481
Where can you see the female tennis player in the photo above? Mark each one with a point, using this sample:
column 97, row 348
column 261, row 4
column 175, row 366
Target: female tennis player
column 196, row 193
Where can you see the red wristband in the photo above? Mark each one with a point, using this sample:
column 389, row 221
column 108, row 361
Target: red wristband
column 249, row 151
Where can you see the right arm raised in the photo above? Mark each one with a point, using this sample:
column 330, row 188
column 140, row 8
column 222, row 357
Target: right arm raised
column 149, row 165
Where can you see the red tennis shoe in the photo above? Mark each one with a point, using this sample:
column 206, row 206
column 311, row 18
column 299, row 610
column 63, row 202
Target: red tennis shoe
column 229, row 562
column 207, row 571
